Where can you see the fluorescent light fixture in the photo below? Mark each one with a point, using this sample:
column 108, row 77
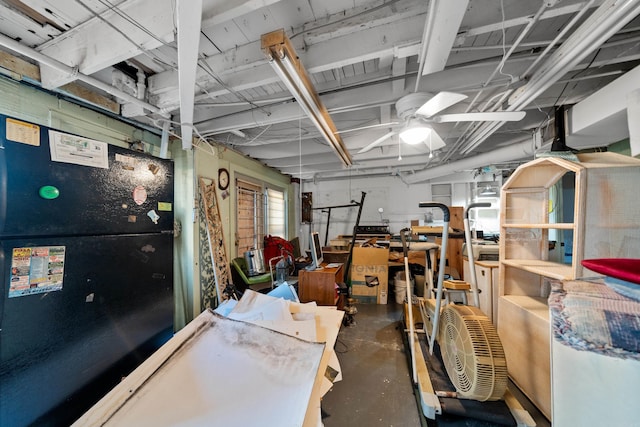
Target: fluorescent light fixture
column 415, row 132
column 287, row 66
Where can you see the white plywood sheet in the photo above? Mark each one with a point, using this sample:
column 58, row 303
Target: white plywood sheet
column 270, row 312
column 593, row 389
column 216, row 372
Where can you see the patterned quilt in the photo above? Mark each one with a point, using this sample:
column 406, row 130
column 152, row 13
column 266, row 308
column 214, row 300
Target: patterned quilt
column 591, row 316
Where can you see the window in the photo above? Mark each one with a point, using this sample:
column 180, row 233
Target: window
column 486, row 220
column 276, row 213
column 258, row 210
column 440, row 193
column 250, row 222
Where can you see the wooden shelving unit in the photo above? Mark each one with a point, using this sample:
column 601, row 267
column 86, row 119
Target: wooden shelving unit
column 540, row 267
column 603, row 224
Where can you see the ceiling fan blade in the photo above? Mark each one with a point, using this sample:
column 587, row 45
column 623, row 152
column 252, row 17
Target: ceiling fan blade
column 434, row 141
column 377, row 142
column 440, row 33
column 379, row 125
column 439, row 102
column 497, row 116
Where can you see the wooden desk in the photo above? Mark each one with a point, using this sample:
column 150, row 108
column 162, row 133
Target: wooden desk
column 320, row 285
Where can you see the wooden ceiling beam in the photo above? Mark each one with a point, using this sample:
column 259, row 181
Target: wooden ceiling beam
column 28, row 71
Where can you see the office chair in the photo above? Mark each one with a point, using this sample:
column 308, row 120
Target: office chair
column 239, row 274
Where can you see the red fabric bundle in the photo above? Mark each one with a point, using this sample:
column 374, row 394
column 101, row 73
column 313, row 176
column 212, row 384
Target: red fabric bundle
column 620, row 268
column 275, row 246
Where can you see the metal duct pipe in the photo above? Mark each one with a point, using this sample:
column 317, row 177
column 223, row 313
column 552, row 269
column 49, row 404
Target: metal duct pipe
column 606, row 20
column 473, row 127
column 521, row 37
column 44, row 59
column 559, row 139
column 560, row 35
column 610, row 17
column 516, row 151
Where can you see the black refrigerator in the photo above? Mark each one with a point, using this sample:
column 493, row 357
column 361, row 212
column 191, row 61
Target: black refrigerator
column 86, row 264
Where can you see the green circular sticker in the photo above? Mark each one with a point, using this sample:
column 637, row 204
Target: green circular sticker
column 49, row 192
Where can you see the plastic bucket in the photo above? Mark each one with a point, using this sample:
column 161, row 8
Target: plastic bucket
column 400, row 291
column 400, row 287
column 420, row 281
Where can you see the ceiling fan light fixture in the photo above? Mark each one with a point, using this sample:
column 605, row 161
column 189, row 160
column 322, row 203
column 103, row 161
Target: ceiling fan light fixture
column 414, row 133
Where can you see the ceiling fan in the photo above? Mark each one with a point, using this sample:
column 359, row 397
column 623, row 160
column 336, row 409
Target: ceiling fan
column 418, row 110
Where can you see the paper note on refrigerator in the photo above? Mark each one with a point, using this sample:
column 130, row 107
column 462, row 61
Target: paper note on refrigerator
column 77, row 150
column 36, row 270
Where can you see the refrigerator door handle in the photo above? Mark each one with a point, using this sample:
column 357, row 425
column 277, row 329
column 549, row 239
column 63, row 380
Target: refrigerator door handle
column 4, row 291
column 3, row 187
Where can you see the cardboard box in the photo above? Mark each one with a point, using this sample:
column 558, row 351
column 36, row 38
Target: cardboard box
column 331, row 256
column 414, row 223
column 370, row 275
column 340, row 244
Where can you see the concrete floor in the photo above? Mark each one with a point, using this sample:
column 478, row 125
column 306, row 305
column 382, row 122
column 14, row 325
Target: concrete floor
column 376, row 389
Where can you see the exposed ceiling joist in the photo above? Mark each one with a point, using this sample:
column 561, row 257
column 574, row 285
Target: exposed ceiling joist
column 288, row 112
column 22, row 69
column 189, row 15
column 109, row 37
column 245, row 66
column 362, row 57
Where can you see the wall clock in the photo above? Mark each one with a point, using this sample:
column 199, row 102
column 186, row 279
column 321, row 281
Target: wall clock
column 223, row 178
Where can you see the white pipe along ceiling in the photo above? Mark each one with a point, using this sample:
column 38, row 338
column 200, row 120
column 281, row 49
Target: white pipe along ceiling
column 73, row 72
column 197, row 71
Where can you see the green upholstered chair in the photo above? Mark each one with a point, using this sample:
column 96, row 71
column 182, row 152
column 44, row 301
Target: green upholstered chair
column 239, row 274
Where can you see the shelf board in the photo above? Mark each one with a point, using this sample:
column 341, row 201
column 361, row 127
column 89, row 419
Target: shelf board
column 535, row 305
column 543, row 268
column 524, row 190
column 548, row 226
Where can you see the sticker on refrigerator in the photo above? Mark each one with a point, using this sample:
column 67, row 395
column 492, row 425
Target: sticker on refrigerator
column 73, row 149
column 23, row 132
column 139, row 195
column 165, row 206
column 154, row 216
column 128, row 162
column 36, row 270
